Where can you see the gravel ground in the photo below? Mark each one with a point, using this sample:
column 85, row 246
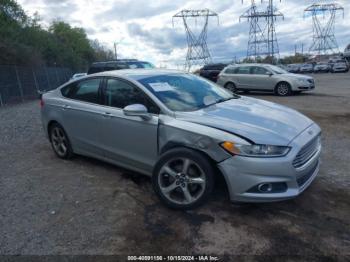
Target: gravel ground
column 50, row 206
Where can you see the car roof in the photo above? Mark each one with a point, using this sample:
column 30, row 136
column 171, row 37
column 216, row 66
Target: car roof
column 248, row 64
column 119, row 61
column 139, row 72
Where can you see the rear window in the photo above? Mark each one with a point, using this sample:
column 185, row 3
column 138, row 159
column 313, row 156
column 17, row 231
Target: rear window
column 86, row 90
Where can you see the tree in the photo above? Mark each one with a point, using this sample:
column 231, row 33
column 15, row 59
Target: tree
column 24, row 42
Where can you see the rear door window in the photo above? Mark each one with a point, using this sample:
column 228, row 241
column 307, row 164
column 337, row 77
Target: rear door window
column 257, row 70
column 86, row 90
column 243, row 70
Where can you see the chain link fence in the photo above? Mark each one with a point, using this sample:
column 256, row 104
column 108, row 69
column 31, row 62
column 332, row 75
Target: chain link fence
column 18, row 83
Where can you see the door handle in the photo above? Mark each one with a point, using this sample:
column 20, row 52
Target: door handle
column 65, row 107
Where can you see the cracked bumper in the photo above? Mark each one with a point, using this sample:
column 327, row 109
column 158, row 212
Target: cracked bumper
column 243, row 173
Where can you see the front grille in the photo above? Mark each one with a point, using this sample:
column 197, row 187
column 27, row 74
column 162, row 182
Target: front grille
column 302, row 180
column 307, row 152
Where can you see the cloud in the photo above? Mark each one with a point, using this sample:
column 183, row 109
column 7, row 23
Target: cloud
column 163, row 39
column 147, row 31
column 127, row 10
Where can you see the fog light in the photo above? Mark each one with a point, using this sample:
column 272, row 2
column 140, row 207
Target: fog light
column 265, row 188
column 269, row 188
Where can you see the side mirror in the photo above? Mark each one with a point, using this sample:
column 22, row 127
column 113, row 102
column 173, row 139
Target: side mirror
column 137, row 110
column 269, row 74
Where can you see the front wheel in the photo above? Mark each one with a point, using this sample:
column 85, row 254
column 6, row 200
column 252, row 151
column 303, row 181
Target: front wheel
column 231, row 87
column 283, row 89
column 183, row 178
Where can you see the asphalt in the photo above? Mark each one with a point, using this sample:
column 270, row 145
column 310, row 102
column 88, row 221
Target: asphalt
column 87, row 207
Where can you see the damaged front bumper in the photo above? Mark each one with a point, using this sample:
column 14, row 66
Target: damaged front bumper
column 252, row 179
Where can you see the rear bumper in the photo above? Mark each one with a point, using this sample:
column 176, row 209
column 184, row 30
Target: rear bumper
column 244, row 175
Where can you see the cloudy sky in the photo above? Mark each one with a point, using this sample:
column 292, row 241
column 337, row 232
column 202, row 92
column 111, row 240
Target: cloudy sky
column 144, row 28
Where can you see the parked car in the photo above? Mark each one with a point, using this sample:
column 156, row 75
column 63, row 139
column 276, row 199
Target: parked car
column 78, row 75
column 322, row 67
column 306, row 68
column 184, row 131
column 284, row 67
column 293, row 68
column 211, row 71
column 264, row 77
column 118, row 65
column 340, row 67
column 347, row 52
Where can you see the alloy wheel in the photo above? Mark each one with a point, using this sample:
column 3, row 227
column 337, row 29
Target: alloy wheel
column 181, row 181
column 283, row 89
column 231, row 87
column 59, row 141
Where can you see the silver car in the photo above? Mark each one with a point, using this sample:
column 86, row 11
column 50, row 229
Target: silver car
column 184, row 132
column 322, row 67
column 264, row 77
column 340, row 67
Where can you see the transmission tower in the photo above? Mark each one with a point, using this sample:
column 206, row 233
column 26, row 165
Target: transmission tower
column 262, row 34
column 324, row 41
column 198, row 52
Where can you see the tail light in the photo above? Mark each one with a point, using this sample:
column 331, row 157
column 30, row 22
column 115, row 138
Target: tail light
column 42, row 103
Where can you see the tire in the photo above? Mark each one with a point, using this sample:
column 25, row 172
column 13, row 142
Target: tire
column 231, row 87
column 283, row 89
column 183, row 178
column 60, row 142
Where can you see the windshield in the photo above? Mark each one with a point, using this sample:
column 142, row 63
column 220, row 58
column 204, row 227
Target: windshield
column 134, row 65
column 277, row 70
column 185, row 92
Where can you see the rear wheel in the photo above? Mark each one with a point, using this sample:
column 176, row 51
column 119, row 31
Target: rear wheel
column 231, row 87
column 60, row 142
column 283, row 89
column 183, row 178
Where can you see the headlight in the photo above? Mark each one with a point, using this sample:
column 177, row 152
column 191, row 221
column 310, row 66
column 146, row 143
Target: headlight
column 255, row 150
column 302, row 80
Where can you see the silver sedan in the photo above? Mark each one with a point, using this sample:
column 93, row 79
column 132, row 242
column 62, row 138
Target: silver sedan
column 184, row 132
column 264, row 77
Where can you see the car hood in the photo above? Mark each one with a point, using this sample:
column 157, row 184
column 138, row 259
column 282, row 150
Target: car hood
column 317, row 66
column 256, row 120
column 340, row 65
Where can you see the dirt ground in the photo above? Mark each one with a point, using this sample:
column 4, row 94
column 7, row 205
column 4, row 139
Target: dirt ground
column 49, row 206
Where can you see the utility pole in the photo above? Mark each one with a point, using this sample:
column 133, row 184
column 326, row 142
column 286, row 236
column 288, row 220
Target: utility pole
column 115, row 51
column 302, row 49
column 116, row 47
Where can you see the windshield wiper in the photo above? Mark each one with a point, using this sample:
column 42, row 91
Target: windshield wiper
column 227, row 99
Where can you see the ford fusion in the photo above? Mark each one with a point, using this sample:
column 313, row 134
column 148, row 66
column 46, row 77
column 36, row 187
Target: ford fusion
column 184, row 132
